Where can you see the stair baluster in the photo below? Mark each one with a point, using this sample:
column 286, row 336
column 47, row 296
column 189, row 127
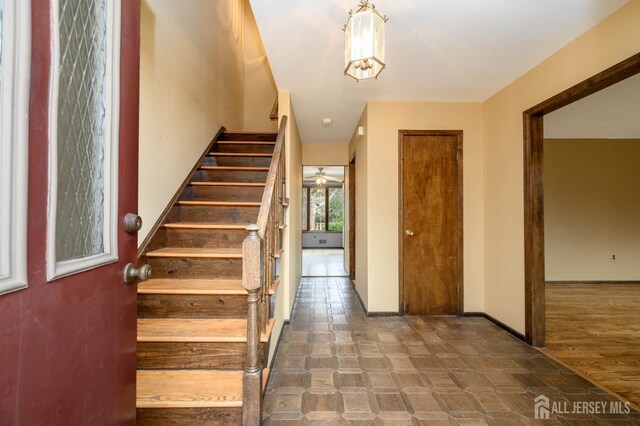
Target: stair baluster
column 261, row 248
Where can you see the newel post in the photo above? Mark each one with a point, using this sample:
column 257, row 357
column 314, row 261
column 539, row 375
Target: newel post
column 252, row 282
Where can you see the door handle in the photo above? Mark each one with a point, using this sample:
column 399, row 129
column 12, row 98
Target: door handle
column 132, row 223
column 130, row 273
column 409, row 233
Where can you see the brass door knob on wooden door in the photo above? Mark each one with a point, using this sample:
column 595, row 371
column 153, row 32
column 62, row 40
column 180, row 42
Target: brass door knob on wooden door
column 409, row 233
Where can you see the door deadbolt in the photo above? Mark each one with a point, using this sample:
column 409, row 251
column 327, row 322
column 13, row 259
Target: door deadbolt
column 132, row 223
column 130, row 273
column 409, row 233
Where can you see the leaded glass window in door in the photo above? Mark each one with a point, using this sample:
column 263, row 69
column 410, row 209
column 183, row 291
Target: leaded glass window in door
column 81, row 139
column 85, row 141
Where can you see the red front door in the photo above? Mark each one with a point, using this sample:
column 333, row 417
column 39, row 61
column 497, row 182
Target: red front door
column 68, row 341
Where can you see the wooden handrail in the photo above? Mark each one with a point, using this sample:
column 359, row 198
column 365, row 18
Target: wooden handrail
column 265, row 206
column 260, row 251
column 273, row 115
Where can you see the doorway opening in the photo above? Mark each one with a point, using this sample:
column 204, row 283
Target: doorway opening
column 323, row 219
column 533, row 119
column 591, row 236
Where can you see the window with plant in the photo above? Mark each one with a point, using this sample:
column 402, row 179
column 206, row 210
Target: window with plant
column 323, row 209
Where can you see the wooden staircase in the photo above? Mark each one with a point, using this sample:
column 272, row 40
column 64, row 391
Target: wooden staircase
column 192, row 315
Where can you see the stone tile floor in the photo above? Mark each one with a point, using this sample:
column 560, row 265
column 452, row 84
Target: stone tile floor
column 337, row 366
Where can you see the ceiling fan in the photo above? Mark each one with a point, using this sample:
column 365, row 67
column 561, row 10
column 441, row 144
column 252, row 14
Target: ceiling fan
column 321, row 177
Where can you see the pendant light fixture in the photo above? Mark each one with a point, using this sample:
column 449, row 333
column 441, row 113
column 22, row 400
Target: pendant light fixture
column 364, row 42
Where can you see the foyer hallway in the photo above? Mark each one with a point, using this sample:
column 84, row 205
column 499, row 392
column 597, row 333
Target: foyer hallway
column 323, row 263
column 337, row 366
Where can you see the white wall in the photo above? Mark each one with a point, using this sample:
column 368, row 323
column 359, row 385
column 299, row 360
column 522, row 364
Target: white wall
column 592, row 209
column 611, row 41
column 314, row 239
column 611, row 113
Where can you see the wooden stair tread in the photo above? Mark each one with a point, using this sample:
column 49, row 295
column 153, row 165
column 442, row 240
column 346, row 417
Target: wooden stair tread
column 220, row 203
column 188, row 388
column 238, row 184
column 245, row 143
column 236, row 168
column 211, row 253
column 239, row 154
column 199, row 287
column 197, row 330
column 205, row 225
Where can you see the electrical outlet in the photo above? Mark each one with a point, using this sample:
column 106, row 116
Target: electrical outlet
column 613, row 257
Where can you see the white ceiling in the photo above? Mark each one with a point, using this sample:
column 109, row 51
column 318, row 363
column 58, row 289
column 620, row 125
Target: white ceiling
column 437, row 50
column 612, row 113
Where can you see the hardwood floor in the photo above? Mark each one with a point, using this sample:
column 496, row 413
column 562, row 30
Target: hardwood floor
column 595, row 330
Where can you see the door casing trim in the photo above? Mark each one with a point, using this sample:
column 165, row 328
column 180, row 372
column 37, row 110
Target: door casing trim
column 460, row 193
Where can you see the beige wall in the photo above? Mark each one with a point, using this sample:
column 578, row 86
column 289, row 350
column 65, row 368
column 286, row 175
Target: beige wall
column 591, row 207
column 384, row 120
column 260, row 91
column 613, row 40
column 359, row 146
column 192, row 82
column 291, row 266
column 325, row 154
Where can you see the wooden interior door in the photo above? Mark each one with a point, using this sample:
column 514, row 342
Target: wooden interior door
column 68, row 352
column 431, row 222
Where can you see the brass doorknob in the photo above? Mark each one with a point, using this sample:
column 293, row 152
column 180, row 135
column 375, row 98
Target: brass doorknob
column 130, row 272
column 132, row 223
column 409, row 233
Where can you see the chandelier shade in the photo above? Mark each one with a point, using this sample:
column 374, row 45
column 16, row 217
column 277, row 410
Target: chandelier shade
column 364, row 42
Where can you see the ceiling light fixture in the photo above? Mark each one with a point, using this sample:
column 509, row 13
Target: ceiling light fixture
column 364, row 42
column 321, row 177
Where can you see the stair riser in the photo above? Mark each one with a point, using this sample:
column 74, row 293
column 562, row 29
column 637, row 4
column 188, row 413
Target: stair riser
column 229, row 176
column 205, row 238
column 192, row 306
column 223, row 193
column 189, row 416
column 192, row 356
column 237, row 161
column 216, row 214
column 185, row 268
column 246, row 148
column 252, row 137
